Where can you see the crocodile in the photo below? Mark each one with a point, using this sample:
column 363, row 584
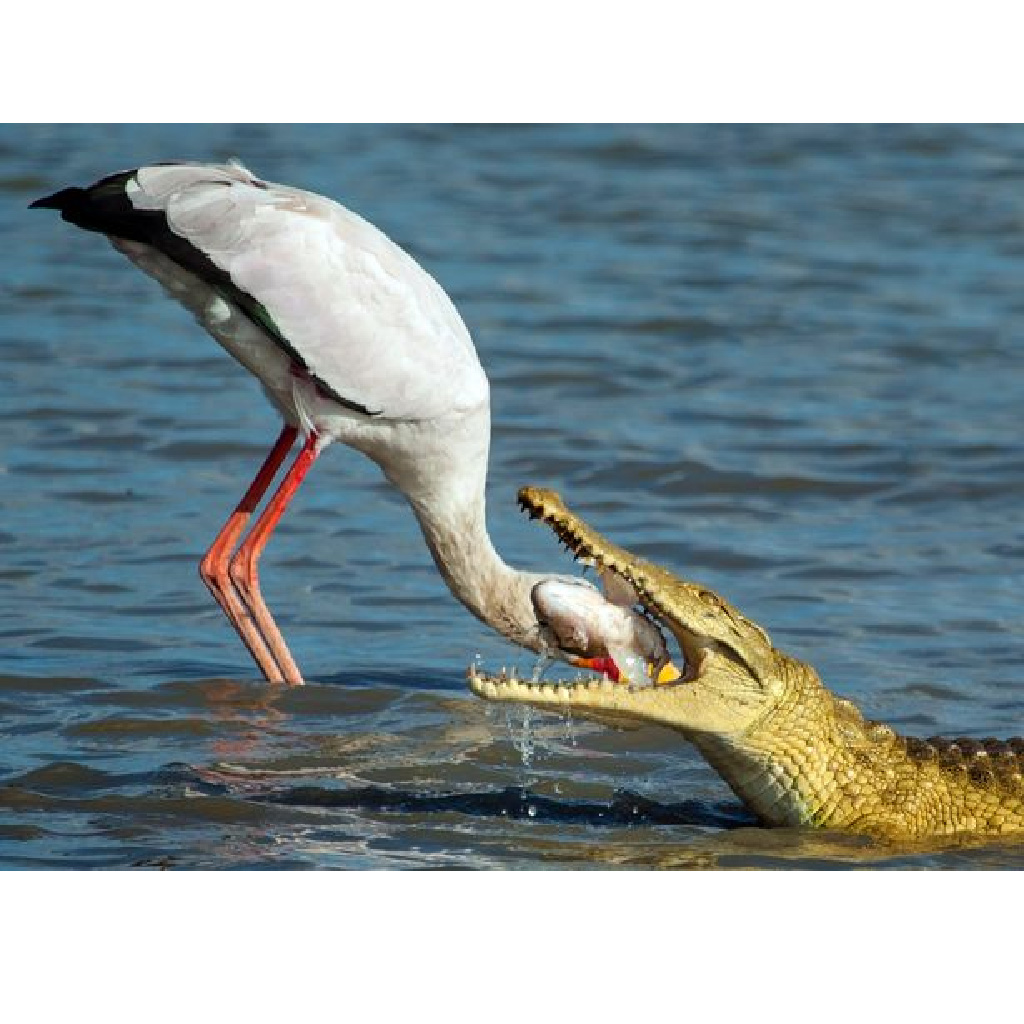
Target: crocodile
column 793, row 752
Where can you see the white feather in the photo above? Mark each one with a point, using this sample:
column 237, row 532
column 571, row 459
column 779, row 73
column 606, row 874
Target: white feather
column 364, row 316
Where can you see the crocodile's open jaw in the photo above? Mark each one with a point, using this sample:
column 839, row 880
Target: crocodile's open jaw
column 595, row 692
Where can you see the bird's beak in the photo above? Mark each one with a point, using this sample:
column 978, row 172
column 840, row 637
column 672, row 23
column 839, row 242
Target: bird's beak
column 606, row 666
column 668, row 673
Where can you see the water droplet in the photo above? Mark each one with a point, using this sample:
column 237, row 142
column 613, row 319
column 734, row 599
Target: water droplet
column 570, row 730
column 521, row 735
column 544, row 662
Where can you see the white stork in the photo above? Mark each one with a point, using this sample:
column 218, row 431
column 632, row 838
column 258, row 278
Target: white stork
column 354, row 342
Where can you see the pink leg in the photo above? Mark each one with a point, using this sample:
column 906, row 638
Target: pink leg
column 244, row 565
column 215, row 565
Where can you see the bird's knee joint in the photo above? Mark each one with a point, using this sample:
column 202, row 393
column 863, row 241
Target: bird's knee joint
column 212, row 573
column 242, row 571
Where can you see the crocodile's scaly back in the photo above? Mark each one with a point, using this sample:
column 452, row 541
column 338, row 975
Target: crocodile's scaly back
column 795, row 753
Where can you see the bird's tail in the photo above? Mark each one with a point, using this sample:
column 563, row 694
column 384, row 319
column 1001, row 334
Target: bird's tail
column 62, row 200
column 103, row 207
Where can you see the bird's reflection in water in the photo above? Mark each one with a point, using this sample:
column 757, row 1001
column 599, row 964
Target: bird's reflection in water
column 246, row 716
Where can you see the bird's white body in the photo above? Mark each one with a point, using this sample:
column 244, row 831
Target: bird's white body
column 367, row 319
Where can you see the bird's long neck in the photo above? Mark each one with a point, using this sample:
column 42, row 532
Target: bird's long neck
column 475, row 573
column 444, row 484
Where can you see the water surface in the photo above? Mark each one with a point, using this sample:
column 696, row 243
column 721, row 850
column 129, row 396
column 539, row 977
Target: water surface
column 783, row 360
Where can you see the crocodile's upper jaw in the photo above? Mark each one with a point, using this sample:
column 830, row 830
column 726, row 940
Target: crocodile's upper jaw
column 729, row 682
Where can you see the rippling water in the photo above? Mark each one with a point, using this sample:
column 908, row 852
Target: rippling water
column 784, row 360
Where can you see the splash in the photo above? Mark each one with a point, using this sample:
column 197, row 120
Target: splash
column 544, row 661
column 519, row 721
column 570, row 727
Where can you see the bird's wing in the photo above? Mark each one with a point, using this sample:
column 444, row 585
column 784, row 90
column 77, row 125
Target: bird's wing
column 362, row 316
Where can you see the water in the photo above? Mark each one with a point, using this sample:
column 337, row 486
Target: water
column 786, row 361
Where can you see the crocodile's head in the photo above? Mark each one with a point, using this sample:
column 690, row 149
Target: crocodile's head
column 733, row 675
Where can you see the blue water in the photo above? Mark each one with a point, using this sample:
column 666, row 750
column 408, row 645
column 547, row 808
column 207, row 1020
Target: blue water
column 785, row 361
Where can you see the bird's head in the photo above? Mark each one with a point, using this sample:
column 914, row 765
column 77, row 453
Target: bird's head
column 596, row 631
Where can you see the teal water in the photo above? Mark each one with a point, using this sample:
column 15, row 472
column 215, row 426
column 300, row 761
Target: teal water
column 786, row 361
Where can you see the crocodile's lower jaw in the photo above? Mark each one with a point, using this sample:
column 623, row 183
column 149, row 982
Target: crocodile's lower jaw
column 598, row 694
column 508, row 687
